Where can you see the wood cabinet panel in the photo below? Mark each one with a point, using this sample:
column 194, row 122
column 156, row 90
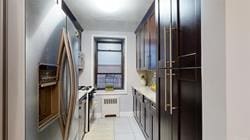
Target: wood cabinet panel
column 143, row 110
column 146, row 42
column 179, row 76
column 152, row 42
column 155, row 123
column 138, row 110
column 148, row 119
column 134, row 102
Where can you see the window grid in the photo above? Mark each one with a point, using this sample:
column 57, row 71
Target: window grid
column 110, row 78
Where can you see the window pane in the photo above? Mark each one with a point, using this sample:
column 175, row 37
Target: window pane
column 109, row 58
column 109, row 46
column 104, row 80
column 109, row 69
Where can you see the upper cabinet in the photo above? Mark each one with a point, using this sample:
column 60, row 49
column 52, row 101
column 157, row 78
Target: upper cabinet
column 146, row 42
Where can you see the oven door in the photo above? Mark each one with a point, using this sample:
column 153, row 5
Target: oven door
column 82, row 118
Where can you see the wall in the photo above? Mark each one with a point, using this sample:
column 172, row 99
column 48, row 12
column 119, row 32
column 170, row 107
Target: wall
column 132, row 78
column 44, row 23
column 213, row 70
column 16, row 69
column 238, row 69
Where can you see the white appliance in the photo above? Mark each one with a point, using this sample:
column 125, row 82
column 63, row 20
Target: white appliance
column 85, row 97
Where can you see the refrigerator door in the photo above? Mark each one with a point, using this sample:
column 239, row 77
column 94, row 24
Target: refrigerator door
column 74, row 42
column 67, row 86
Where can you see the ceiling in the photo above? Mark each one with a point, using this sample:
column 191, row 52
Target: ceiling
column 109, row 15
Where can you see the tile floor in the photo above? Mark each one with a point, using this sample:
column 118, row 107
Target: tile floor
column 119, row 128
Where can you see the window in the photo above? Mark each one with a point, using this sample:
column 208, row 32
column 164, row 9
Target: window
column 109, row 63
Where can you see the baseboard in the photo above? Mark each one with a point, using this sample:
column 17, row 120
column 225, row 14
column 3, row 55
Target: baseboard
column 122, row 114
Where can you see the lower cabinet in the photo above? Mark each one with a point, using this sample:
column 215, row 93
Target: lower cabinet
column 146, row 115
column 149, row 120
column 134, row 103
column 143, row 108
column 138, row 109
column 155, row 123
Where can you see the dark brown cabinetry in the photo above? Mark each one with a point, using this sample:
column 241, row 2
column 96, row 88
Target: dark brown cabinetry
column 134, row 103
column 179, row 74
column 155, row 123
column 149, row 119
column 146, row 116
column 146, row 36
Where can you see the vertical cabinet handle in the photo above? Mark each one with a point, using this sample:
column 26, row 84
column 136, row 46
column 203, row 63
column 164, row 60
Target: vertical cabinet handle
column 165, row 64
column 169, row 64
column 171, row 90
column 170, row 71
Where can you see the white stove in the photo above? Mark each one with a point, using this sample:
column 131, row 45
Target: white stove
column 85, row 96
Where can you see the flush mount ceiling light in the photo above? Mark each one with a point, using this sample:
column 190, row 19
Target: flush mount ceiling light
column 109, row 6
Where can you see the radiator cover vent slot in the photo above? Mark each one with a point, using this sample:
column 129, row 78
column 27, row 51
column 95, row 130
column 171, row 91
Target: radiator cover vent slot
column 110, row 106
column 110, row 101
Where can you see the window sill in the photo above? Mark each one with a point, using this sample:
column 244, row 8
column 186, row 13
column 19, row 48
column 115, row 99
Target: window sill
column 115, row 92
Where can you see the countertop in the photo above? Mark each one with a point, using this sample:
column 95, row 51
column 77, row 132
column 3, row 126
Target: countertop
column 147, row 92
column 82, row 93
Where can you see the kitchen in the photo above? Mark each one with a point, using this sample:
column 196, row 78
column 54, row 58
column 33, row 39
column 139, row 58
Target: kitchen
column 66, row 46
column 118, row 69
column 108, row 51
column 93, row 64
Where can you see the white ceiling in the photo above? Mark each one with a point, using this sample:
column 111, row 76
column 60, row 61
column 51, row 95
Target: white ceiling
column 109, row 15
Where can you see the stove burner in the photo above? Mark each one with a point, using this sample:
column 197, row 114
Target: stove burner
column 84, row 87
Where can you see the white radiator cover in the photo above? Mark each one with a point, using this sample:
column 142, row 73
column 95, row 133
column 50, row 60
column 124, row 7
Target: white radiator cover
column 110, row 106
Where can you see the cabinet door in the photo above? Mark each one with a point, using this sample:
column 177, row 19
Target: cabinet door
column 134, row 102
column 138, row 108
column 163, row 57
column 149, row 120
column 147, row 44
column 143, row 108
column 153, row 42
column 155, row 123
column 164, row 32
column 187, row 97
column 165, row 117
column 142, row 47
column 187, row 36
column 138, row 49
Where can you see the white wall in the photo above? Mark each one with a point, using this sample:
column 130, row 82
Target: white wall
column 213, row 70
column 132, row 78
column 16, row 69
column 238, row 69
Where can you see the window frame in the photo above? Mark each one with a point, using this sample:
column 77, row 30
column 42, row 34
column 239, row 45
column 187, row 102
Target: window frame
column 109, row 40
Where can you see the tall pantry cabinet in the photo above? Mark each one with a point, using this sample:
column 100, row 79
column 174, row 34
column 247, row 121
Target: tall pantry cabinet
column 179, row 69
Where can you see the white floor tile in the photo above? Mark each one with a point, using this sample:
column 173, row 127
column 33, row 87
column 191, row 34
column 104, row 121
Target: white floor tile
column 120, row 128
column 125, row 137
column 139, row 136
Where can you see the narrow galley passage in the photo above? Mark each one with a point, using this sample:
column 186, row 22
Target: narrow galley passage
column 114, row 128
column 91, row 68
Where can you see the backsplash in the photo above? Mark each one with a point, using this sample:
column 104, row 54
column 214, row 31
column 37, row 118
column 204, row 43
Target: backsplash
column 149, row 76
